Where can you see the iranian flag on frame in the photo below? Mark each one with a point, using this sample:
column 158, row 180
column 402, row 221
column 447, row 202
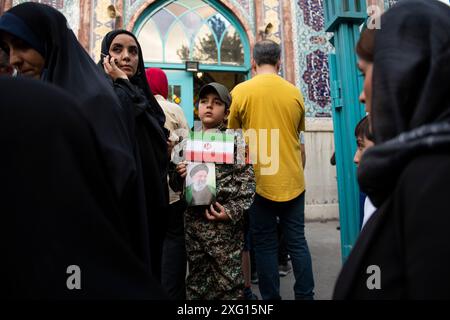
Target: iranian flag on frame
column 217, row 147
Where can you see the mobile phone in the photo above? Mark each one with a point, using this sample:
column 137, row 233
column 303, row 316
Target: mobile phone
column 105, row 55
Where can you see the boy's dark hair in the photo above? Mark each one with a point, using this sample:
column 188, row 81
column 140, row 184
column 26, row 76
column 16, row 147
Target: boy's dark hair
column 362, row 129
column 266, row 52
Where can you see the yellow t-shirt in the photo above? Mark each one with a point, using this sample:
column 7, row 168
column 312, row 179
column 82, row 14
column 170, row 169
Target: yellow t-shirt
column 267, row 103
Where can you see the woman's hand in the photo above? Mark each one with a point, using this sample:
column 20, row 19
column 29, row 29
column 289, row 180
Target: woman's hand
column 181, row 169
column 112, row 69
column 212, row 215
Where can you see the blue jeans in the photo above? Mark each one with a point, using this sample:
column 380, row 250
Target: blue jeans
column 263, row 225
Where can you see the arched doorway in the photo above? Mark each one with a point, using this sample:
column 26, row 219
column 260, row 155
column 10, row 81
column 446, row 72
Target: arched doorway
column 200, row 31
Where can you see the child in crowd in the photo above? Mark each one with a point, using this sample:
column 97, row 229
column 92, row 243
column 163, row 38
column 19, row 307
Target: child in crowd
column 364, row 140
column 215, row 233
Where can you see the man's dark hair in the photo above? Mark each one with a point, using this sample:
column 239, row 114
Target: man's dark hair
column 266, row 52
column 362, row 129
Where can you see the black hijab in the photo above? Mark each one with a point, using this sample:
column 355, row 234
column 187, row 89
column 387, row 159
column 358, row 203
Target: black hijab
column 58, row 206
column 411, row 68
column 411, row 100
column 139, row 79
column 151, row 154
column 68, row 66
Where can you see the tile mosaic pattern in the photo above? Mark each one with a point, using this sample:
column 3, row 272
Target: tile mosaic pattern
column 70, row 9
column 312, row 14
column 245, row 5
column 272, row 11
column 246, row 8
column 272, row 14
column 311, row 45
column 57, row 4
column 317, row 77
column 101, row 24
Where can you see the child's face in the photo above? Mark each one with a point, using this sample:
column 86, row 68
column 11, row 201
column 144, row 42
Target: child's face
column 362, row 145
column 211, row 110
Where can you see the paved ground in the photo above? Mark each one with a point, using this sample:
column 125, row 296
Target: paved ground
column 324, row 244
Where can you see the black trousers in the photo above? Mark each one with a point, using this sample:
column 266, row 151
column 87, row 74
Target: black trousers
column 174, row 260
column 282, row 248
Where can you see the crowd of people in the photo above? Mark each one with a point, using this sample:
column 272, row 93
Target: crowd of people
column 90, row 178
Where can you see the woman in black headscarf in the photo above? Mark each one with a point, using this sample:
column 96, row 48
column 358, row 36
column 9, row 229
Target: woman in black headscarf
column 123, row 62
column 403, row 251
column 62, row 229
column 41, row 46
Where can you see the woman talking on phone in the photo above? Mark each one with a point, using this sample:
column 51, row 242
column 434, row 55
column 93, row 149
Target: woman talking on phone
column 123, row 63
column 41, row 46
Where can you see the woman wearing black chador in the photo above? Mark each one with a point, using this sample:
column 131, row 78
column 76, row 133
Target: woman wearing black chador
column 403, row 251
column 123, row 63
column 73, row 185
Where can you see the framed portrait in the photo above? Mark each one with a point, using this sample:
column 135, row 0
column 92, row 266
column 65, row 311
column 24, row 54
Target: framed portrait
column 200, row 184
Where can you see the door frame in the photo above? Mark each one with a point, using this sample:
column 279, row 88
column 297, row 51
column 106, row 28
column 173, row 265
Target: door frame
column 186, row 81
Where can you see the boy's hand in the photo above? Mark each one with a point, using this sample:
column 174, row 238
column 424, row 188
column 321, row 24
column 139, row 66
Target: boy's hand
column 181, row 169
column 212, row 215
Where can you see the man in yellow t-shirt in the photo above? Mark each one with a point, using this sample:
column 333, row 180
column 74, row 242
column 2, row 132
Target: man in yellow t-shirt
column 271, row 112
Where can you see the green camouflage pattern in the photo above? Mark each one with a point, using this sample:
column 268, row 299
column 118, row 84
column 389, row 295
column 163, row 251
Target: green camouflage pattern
column 214, row 247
